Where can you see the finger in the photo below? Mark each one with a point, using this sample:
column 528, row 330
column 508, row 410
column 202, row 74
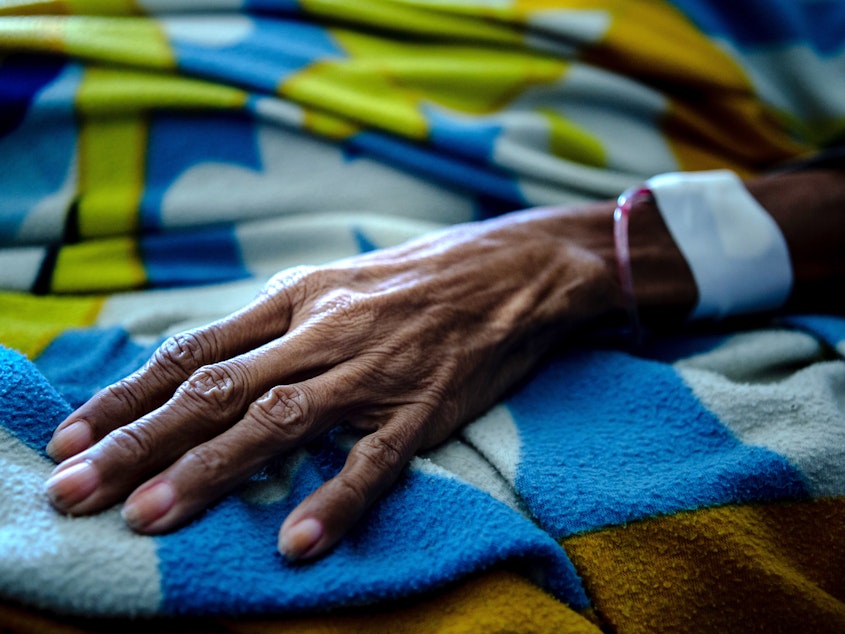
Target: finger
column 213, row 399
column 175, row 360
column 374, row 463
column 282, row 420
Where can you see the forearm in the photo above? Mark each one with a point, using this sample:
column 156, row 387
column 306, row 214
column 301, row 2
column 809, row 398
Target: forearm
column 808, row 207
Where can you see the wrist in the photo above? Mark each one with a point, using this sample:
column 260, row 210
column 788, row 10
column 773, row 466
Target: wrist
column 664, row 289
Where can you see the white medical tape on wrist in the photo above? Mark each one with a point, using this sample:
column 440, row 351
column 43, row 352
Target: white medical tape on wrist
column 737, row 253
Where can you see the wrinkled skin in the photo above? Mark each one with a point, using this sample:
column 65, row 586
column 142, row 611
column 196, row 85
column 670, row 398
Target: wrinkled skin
column 406, row 344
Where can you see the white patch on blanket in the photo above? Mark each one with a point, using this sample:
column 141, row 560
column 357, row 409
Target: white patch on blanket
column 761, row 356
column 19, row 267
column 772, row 391
column 575, row 25
column 622, row 114
column 560, row 32
column 85, row 564
column 268, row 246
column 798, row 80
column 471, row 467
column 496, row 437
column 279, row 111
column 208, row 30
column 172, row 6
column 301, row 174
column 581, row 96
column 28, row 145
column 154, row 314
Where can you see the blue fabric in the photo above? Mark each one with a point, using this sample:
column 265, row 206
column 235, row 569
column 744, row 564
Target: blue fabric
column 269, row 54
column 81, row 362
column 442, row 168
column 768, row 23
column 37, row 153
column 828, row 328
column 181, row 141
column 605, row 438
column 427, row 531
column 193, row 257
column 460, row 137
column 291, row 6
column 30, row 408
column 21, row 78
column 637, row 444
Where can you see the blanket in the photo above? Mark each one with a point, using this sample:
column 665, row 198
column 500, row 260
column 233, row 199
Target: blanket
column 158, row 161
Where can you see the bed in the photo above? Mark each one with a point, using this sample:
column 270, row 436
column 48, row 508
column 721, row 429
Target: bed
column 159, row 161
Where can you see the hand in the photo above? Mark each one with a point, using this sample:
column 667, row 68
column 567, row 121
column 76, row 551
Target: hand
column 406, row 344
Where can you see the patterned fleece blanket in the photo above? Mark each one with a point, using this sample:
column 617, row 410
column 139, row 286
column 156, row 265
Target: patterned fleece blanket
column 158, row 160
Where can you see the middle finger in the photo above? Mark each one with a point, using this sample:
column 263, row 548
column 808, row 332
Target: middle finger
column 286, row 417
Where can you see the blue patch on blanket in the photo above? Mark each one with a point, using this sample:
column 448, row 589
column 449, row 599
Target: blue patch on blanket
column 185, row 258
column 30, row 408
column 443, row 168
column 427, row 531
column 81, row 362
column 458, row 136
column 268, row 54
column 828, row 328
column 36, row 154
column 180, row 141
column 608, row 438
column 770, row 23
column 22, row 77
column 275, row 6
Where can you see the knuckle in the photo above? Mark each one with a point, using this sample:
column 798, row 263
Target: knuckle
column 133, row 442
column 220, row 388
column 355, row 488
column 289, row 285
column 210, row 461
column 353, row 309
column 383, row 453
column 283, row 412
column 339, row 300
column 183, row 352
column 126, row 393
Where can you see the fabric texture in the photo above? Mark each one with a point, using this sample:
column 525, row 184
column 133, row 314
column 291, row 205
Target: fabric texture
column 158, row 161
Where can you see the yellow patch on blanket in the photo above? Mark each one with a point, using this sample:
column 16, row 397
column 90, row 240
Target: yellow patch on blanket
column 708, row 570
column 495, row 603
column 30, row 323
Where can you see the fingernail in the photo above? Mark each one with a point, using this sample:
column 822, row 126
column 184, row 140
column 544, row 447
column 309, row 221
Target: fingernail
column 148, row 505
column 298, row 539
column 68, row 486
column 70, row 440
